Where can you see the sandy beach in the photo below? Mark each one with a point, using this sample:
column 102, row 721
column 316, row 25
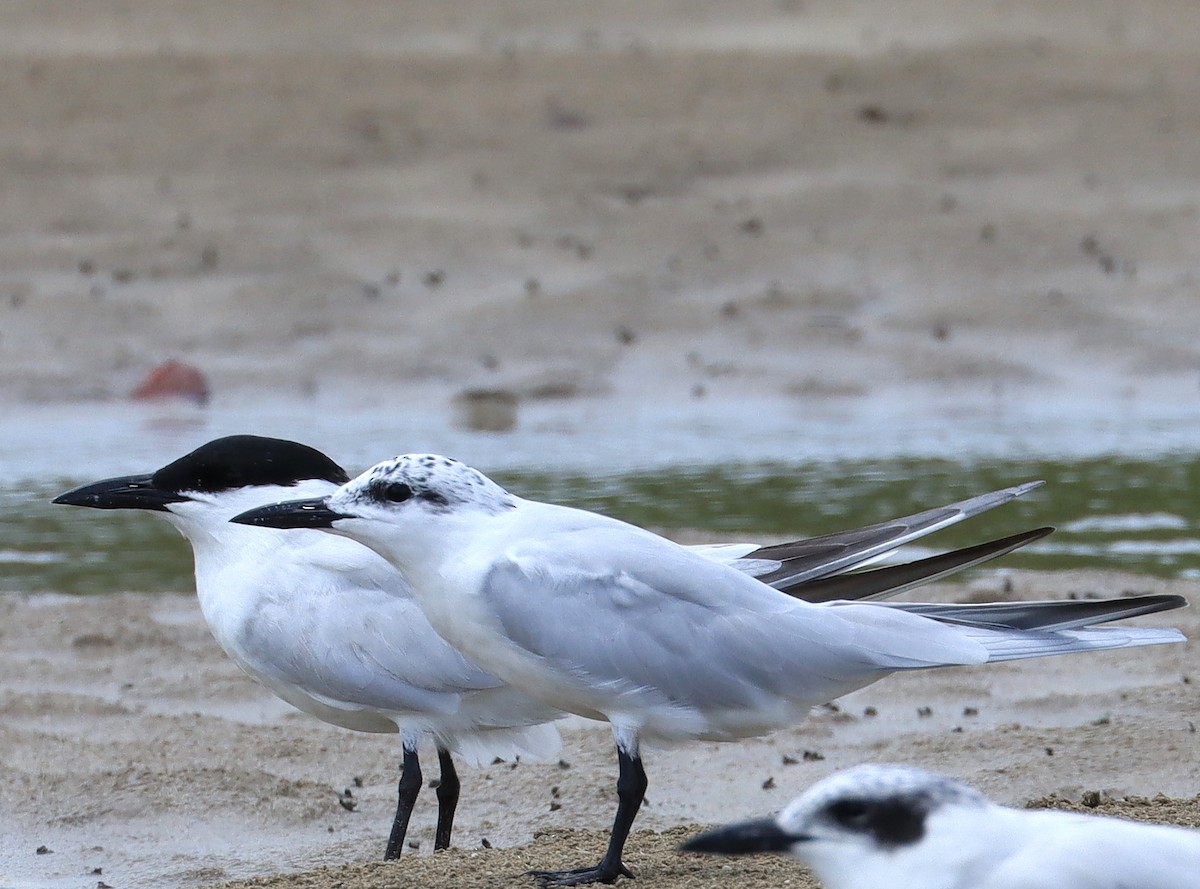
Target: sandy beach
column 799, row 212
column 133, row 745
column 671, row 200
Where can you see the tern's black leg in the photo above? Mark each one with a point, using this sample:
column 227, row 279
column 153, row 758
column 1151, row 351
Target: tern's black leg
column 447, row 794
column 631, row 788
column 410, row 786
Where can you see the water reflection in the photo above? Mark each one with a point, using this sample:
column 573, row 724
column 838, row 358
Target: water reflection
column 1113, row 513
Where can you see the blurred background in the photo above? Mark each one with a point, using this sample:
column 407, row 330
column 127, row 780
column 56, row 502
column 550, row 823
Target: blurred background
column 766, row 268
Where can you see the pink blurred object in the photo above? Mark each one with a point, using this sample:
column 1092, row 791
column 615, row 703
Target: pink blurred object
column 173, row 379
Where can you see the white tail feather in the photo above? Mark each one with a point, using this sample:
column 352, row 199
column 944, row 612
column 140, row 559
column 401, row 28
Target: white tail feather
column 480, row 748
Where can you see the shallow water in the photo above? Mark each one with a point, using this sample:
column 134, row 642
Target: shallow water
column 1132, row 511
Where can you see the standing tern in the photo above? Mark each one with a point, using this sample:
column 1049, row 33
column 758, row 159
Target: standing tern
column 890, row 825
column 332, row 629
column 325, row 623
column 606, row 620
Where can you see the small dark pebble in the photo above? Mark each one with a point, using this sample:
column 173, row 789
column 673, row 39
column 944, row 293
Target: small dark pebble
column 485, row 843
column 1103, row 720
column 789, row 760
column 870, row 711
column 924, row 712
column 555, row 806
column 414, row 844
column 812, row 756
column 434, row 279
column 563, row 764
column 97, row 871
column 970, row 711
column 100, row 884
column 434, row 783
column 873, row 114
column 497, row 761
column 752, row 226
column 357, row 781
column 625, row 336
column 44, row 850
column 769, row 784
column 1091, row 799
column 1049, row 751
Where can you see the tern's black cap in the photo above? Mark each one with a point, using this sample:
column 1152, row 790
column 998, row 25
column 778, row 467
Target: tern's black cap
column 240, row 461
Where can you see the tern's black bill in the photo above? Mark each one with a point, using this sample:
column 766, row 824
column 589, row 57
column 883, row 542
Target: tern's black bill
column 292, row 514
column 745, row 838
column 126, row 492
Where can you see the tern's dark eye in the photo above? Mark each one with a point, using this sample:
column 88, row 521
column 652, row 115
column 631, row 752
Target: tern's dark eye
column 852, row 813
column 396, row 492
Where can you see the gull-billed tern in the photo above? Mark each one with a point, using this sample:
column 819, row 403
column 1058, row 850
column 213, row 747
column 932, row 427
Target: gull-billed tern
column 893, row 825
column 606, row 620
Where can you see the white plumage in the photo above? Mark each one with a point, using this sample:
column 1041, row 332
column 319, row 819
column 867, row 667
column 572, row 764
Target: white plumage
column 601, row 618
column 889, row 825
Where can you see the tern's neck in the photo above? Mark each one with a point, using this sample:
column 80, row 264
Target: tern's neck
column 204, row 521
column 430, row 548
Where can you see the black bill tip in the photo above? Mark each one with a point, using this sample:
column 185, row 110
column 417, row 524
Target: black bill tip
column 125, row 492
column 744, row 838
column 311, row 513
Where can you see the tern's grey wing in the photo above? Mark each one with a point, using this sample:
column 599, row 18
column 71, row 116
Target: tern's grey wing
column 1074, row 614
column 830, row 553
column 880, row 583
column 342, row 624
column 636, row 617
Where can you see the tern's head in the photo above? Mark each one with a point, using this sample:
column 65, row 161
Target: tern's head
column 394, row 496
column 224, row 476
column 851, row 827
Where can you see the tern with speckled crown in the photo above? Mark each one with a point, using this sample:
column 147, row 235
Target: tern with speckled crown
column 598, row 617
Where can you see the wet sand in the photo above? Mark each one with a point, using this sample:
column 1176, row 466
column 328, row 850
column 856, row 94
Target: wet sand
column 132, row 744
column 816, row 208
column 812, row 202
